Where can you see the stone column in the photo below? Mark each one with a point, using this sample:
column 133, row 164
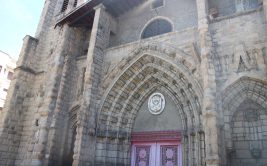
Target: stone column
column 208, row 75
column 84, row 152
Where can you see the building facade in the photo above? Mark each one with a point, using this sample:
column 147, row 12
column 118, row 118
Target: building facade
column 140, row 82
column 7, row 66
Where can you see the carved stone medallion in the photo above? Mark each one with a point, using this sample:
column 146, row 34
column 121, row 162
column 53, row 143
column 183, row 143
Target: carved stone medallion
column 156, row 103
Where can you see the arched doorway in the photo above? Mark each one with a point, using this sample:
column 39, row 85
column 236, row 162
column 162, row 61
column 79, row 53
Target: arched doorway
column 248, row 124
column 149, row 70
column 156, row 137
column 245, row 114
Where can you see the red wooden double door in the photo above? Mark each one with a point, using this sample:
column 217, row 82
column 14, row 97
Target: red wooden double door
column 156, row 152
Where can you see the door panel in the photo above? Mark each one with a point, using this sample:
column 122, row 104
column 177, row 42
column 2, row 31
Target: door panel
column 156, row 154
column 169, row 155
column 142, row 155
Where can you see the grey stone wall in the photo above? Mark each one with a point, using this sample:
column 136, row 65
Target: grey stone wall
column 182, row 14
column 182, row 41
column 228, row 34
column 98, row 81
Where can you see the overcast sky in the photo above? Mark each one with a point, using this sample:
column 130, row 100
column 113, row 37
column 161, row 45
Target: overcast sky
column 18, row 19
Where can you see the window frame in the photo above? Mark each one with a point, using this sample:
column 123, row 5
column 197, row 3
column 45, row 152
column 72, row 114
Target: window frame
column 151, row 21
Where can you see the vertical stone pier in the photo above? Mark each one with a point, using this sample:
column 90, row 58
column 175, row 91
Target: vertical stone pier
column 99, row 41
column 209, row 85
column 11, row 118
column 43, row 148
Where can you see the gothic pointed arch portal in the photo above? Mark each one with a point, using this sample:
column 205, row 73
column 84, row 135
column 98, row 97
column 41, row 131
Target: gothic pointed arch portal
column 147, row 72
column 245, row 114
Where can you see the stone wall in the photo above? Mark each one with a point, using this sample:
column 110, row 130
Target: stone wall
column 182, row 14
column 248, row 31
column 184, row 41
column 91, row 85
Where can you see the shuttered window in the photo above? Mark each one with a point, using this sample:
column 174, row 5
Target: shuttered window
column 75, row 3
column 64, row 5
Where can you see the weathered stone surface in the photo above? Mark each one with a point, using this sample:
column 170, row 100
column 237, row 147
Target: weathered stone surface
column 80, row 89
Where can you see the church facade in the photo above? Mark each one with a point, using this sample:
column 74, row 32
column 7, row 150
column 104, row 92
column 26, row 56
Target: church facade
column 140, row 83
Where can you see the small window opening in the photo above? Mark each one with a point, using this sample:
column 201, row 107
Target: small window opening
column 65, row 5
column 37, row 122
column 75, row 3
column 157, row 4
column 0, row 69
column 85, row 52
column 5, row 90
column 9, row 75
column 83, row 79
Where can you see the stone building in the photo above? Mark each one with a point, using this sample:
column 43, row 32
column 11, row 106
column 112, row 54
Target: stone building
column 7, row 66
column 140, row 82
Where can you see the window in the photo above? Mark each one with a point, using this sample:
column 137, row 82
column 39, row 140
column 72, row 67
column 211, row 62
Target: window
column 75, row 3
column 0, row 69
column 9, row 75
column 157, row 3
column 157, row 27
column 242, row 5
column 64, row 5
column 5, row 90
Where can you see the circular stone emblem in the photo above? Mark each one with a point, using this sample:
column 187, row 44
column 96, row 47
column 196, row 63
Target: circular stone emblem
column 156, row 103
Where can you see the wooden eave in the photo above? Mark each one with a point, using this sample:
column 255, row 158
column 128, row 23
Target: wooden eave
column 84, row 14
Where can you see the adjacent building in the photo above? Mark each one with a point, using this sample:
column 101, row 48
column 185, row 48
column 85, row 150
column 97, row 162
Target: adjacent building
column 7, row 66
column 140, row 83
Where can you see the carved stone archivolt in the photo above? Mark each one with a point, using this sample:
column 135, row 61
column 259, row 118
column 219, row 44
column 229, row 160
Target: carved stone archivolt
column 183, row 60
column 151, row 70
column 142, row 75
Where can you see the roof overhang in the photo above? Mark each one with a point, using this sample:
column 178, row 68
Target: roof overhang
column 84, row 14
column 80, row 16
